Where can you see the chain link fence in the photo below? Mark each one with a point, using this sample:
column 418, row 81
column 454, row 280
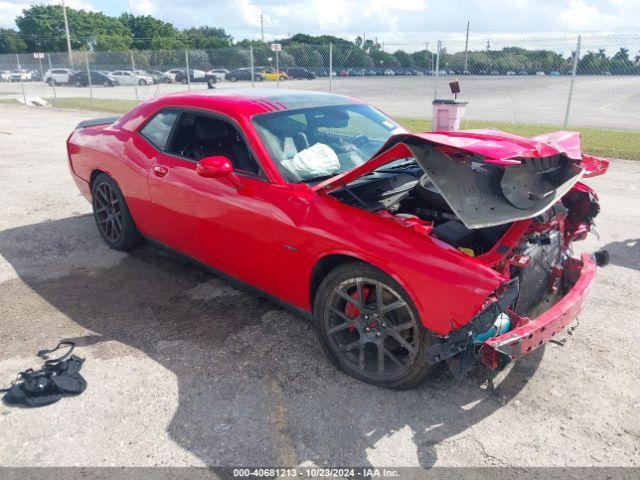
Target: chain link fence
column 587, row 81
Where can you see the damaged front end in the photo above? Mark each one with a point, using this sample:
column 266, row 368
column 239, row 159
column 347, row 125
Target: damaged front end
column 512, row 204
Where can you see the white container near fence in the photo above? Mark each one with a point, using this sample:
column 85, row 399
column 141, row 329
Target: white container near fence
column 447, row 114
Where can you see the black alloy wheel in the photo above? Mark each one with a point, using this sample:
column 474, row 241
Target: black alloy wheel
column 112, row 216
column 108, row 212
column 369, row 327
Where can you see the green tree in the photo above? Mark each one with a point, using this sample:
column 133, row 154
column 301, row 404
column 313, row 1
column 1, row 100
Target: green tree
column 42, row 28
column 206, row 38
column 151, row 33
column 10, row 41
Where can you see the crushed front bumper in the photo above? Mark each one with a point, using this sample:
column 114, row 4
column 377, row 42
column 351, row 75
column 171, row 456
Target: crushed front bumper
column 530, row 334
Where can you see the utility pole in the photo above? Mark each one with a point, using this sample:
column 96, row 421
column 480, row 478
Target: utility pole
column 66, row 30
column 466, row 50
column 261, row 27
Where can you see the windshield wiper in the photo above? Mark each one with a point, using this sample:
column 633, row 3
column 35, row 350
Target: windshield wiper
column 319, row 178
column 396, row 167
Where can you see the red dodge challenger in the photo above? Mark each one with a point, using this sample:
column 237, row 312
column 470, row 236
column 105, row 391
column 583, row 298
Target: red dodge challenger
column 405, row 249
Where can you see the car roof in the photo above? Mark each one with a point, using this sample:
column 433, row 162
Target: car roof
column 260, row 100
column 241, row 103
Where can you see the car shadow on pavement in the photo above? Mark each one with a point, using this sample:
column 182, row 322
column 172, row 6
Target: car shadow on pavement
column 625, row 253
column 254, row 387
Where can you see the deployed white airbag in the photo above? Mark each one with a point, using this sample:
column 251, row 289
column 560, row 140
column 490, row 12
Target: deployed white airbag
column 318, row 159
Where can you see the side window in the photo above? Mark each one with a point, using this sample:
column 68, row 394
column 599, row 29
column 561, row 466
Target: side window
column 157, row 130
column 198, row 136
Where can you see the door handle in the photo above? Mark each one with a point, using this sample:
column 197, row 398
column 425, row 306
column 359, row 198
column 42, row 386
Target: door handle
column 160, row 171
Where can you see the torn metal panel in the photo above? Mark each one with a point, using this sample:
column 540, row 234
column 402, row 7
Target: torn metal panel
column 484, row 195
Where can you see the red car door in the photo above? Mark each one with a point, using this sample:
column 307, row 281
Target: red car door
column 241, row 225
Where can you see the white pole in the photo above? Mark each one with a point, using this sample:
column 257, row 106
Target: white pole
column 66, row 31
column 330, row 67
column 24, row 97
column 277, row 71
column 186, row 59
column 252, row 67
column 86, row 60
column 466, row 50
column 53, row 82
column 135, row 78
column 573, row 79
column 435, row 84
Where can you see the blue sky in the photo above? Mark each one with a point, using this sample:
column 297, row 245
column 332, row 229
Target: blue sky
column 391, row 21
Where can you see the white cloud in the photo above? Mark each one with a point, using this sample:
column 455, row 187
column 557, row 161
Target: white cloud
column 395, row 21
column 141, row 7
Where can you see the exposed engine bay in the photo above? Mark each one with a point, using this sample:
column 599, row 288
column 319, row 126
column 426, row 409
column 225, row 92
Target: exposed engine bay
column 539, row 196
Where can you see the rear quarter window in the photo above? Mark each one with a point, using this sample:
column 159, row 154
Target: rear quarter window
column 157, row 130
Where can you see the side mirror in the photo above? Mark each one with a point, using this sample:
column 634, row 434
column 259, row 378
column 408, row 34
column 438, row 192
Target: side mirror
column 214, row 167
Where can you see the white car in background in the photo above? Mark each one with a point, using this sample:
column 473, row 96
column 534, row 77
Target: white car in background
column 20, row 75
column 218, row 73
column 173, row 72
column 127, row 77
column 5, row 75
column 58, row 75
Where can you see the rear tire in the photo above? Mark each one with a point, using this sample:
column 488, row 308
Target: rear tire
column 370, row 341
column 142, row 82
column 112, row 215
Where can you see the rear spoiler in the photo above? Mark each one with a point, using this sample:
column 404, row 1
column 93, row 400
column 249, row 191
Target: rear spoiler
column 96, row 121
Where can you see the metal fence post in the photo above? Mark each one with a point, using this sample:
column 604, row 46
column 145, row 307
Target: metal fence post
column 24, row 96
column 330, row 67
column 135, row 78
column 186, row 59
column 277, row 70
column 86, row 61
column 435, row 84
column 53, row 82
column 573, row 80
column 251, row 63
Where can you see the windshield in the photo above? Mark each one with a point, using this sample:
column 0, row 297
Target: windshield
column 315, row 143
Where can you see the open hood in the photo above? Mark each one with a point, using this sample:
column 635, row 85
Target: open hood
column 487, row 177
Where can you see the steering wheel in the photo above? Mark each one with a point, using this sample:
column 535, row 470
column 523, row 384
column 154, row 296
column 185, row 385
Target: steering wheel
column 360, row 141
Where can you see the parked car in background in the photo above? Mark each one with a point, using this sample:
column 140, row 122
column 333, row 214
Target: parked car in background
column 5, row 75
column 173, row 72
column 194, row 76
column 270, row 73
column 555, row 73
column 127, row 77
column 58, row 76
column 523, row 72
column 299, row 72
column 81, row 79
column 388, row 72
column 244, row 74
column 540, row 74
column 161, row 77
column 218, row 74
column 20, row 75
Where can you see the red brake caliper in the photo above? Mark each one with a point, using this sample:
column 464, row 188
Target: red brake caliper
column 350, row 310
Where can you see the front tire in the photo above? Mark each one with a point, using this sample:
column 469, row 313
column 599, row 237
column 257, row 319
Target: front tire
column 369, row 328
column 112, row 215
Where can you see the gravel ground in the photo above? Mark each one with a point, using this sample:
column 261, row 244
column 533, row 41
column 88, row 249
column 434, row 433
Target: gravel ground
column 184, row 369
column 598, row 101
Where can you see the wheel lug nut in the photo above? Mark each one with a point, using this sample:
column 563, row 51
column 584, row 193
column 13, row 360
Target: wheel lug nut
column 378, row 334
column 366, row 329
column 366, row 317
column 375, row 315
